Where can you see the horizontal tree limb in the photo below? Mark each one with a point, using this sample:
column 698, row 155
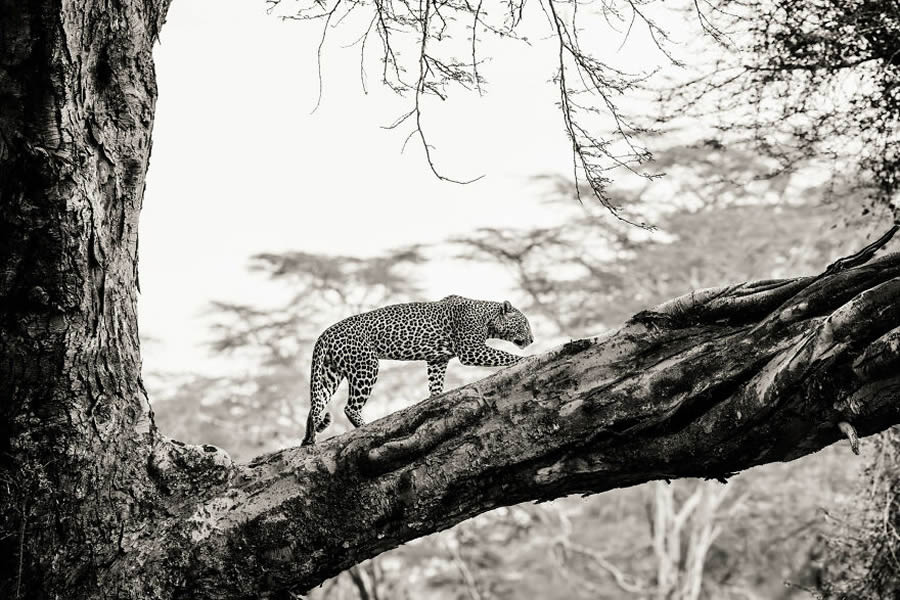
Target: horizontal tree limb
column 704, row 386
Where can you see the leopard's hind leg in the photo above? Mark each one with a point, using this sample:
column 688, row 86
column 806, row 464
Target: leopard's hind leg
column 363, row 377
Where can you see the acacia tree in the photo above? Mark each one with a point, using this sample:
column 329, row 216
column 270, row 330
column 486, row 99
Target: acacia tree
column 96, row 502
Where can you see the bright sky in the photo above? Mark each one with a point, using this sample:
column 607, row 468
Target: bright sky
column 241, row 166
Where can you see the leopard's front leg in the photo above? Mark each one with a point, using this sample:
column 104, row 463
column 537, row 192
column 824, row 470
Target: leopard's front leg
column 436, row 371
column 481, row 355
column 485, row 356
column 473, row 352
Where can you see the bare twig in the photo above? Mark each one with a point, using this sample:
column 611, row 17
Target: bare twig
column 431, row 25
column 850, row 432
column 863, row 255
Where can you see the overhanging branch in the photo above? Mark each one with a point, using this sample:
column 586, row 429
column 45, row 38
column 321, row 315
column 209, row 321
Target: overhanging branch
column 704, row 386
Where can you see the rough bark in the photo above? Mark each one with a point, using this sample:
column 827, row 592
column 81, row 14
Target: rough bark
column 77, row 95
column 95, row 502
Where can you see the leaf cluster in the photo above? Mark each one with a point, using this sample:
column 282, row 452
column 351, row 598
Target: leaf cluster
column 806, row 81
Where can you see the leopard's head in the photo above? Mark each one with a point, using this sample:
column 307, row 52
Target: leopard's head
column 511, row 325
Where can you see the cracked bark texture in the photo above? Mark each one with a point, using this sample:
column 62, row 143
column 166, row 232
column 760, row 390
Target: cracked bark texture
column 96, row 503
column 77, row 95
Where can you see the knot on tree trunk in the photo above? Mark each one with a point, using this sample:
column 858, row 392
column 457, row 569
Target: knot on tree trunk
column 186, row 469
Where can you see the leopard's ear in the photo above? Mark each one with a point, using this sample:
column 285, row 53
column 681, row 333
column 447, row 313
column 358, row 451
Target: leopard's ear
column 507, row 307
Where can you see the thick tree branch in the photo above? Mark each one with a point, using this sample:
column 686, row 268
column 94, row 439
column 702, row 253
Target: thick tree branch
column 704, row 386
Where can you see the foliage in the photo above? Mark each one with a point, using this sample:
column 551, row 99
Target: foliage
column 863, row 559
column 804, row 81
column 796, row 81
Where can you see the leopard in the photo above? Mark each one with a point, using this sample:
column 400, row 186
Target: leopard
column 434, row 332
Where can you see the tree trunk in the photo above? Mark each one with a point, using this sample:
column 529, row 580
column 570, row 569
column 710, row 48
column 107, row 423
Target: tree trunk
column 77, row 95
column 96, row 503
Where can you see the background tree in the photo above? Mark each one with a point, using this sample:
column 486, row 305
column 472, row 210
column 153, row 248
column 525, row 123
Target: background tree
column 861, row 559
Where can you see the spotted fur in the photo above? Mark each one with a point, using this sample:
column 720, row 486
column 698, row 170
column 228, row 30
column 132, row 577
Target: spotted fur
column 431, row 331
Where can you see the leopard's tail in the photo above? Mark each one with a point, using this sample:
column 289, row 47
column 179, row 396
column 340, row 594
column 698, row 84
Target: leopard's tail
column 318, row 418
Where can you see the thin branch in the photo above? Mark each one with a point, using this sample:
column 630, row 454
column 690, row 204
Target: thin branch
column 321, row 45
column 420, row 90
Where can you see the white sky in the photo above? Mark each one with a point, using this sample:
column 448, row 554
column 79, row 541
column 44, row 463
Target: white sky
column 240, row 166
